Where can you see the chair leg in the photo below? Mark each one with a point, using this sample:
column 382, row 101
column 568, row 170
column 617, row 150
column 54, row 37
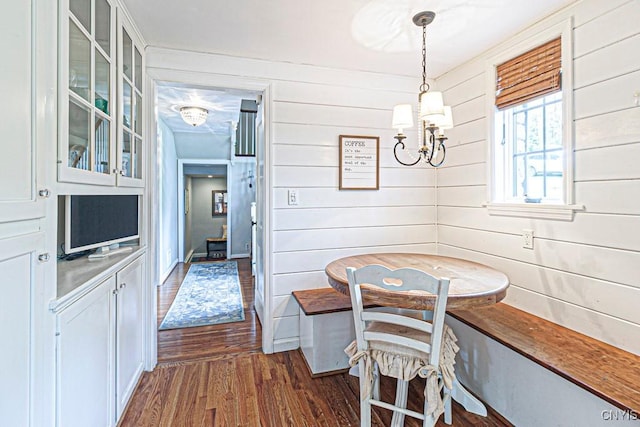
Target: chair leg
column 402, row 389
column 376, row 382
column 365, row 405
column 447, row 406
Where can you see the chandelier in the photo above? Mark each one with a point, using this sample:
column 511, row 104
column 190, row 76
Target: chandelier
column 194, row 116
column 433, row 116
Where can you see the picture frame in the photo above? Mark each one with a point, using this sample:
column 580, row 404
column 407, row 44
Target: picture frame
column 359, row 162
column 218, row 203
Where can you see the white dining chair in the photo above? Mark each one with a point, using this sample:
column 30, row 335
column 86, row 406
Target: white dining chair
column 397, row 344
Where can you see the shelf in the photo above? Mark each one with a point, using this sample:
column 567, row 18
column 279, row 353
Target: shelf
column 78, row 277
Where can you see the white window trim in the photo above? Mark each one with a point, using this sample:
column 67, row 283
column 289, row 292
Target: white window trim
column 560, row 211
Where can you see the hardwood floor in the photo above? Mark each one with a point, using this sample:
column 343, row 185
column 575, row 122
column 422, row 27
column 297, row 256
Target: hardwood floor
column 218, row 376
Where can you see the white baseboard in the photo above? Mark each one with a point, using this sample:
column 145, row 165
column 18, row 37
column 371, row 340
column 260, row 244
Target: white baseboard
column 234, row 256
column 285, row 344
column 166, row 274
column 259, row 307
column 189, row 255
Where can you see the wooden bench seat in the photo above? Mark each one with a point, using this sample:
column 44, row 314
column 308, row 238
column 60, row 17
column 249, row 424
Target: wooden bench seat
column 323, row 301
column 606, row 371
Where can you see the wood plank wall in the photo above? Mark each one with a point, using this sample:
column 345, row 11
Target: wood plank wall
column 582, row 274
column 312, row 106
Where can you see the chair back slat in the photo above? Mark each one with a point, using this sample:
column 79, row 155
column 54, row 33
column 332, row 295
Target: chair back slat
column 397, row 319
column 395, row 339
column 409, row 278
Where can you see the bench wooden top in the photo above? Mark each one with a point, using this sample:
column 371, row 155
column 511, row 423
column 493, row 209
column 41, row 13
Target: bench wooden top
column 472, row 284
column 216, row 239
column 606, row 371
column 323, row 301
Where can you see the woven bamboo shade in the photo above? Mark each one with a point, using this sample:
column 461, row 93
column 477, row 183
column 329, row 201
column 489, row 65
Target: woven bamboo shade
column 530, row 75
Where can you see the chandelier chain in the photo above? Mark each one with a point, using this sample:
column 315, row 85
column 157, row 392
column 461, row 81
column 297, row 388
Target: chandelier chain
column 424, row 86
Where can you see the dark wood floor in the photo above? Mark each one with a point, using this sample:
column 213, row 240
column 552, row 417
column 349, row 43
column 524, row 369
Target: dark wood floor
column 218, row 376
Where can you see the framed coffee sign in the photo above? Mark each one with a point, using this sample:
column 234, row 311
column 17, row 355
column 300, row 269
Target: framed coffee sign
column 359, row 162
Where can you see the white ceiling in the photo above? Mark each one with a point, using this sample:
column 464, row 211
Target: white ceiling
column 372, row 35
column 320, row 32
column 223, row 106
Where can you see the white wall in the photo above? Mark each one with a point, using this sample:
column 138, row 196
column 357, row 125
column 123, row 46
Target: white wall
column 311, row 107
column 168, row 179
column 581, row 274
column 203, row 223
column 191, row 145
column 239, row 215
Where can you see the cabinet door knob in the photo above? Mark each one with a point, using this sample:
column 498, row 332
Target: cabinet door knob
column 123, row 285
column 115, row 171
column 122, row 172
column 44, row 193
column 115, row 292
column 43, row 257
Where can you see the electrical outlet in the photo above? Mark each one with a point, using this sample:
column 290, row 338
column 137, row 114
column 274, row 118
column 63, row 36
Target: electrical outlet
column 527, row 239
column 292, row 197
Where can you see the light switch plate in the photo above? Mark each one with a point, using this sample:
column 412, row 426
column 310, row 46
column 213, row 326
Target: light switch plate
column 527, row 239
column 292, row 197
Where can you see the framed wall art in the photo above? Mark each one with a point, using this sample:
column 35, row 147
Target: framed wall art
column 359, row 162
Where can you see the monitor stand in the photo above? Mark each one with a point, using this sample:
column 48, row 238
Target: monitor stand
column 105, row 251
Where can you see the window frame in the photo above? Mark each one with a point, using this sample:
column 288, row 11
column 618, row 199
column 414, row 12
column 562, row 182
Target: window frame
column 497, row 203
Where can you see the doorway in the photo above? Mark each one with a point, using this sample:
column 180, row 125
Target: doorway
column 249, row 178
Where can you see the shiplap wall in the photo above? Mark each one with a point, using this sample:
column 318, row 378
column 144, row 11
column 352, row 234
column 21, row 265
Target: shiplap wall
column 583, row 274
column 311, row 107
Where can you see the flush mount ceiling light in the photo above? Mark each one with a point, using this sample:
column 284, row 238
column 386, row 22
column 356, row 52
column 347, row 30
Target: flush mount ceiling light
column 194, row 116
column 433, row 116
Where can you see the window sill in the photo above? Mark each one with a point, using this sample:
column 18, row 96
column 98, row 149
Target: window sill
column 534, row 210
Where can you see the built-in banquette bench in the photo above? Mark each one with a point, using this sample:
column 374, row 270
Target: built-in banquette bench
column 326, row 328
column 578, row 370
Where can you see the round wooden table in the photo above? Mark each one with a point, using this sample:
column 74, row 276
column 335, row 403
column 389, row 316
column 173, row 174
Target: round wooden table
column 472, row 284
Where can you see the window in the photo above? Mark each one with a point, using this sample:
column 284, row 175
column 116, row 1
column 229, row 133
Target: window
column 532, row 145
column 531, row 127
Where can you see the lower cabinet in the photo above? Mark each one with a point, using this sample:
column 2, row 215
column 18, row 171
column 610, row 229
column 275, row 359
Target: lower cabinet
column 100, row 350
column 21, row 275
column 129, row 330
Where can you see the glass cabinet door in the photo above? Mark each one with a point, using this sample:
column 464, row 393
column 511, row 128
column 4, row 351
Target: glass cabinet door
column 131, row 83
column 86, row 146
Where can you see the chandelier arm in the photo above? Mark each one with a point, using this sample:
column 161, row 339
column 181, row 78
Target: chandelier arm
column 395, row 154
column 443, row 148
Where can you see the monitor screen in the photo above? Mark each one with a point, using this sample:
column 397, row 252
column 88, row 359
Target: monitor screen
column 100, row 220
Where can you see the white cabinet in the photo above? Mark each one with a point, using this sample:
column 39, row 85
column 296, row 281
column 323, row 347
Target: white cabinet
column 21, row 272
column 129, row 331
column 85, row 361
column 100, row 99
column 87, row 101
column 100, row 350
column 130, row 95
column 18, row 168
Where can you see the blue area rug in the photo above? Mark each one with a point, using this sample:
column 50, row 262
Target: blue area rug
column 210, row 294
